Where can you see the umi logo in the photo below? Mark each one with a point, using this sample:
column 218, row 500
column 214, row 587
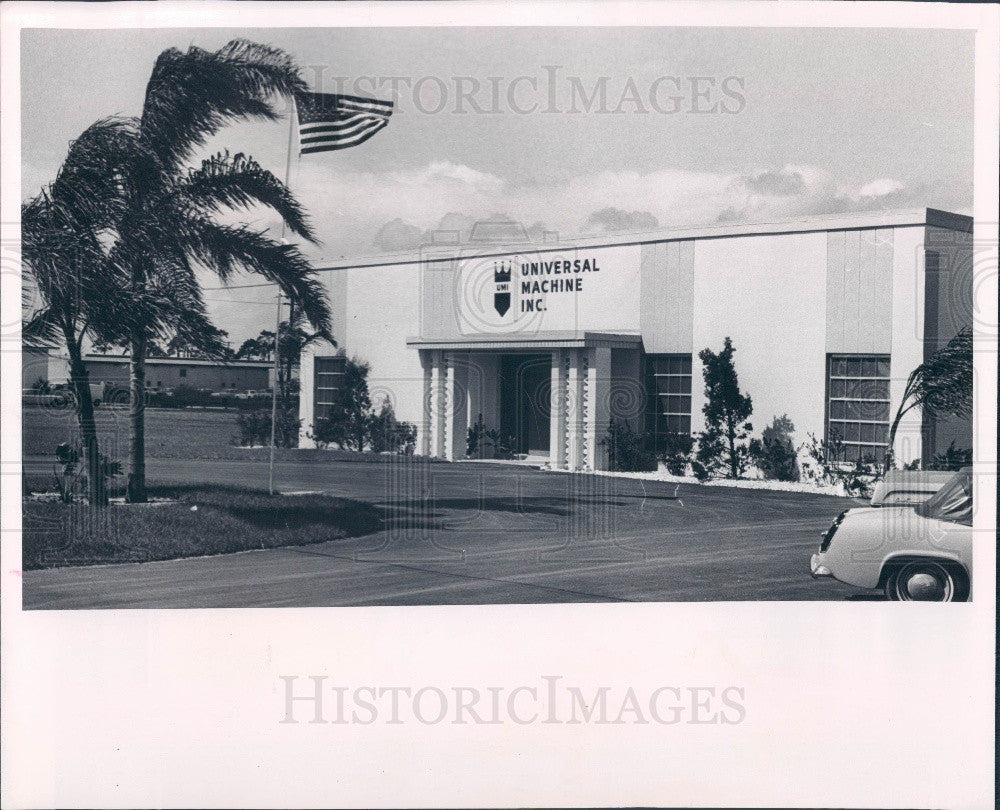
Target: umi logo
column 501, row 280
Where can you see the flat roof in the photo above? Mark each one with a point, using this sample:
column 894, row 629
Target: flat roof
column 529, row 341
column 865, row 220
column 178, row 361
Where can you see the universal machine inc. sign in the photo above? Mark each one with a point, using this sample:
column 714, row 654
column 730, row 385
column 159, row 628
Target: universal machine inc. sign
column 537, row 280
column 549, row 291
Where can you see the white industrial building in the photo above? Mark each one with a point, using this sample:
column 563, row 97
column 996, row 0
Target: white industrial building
column 551, row 341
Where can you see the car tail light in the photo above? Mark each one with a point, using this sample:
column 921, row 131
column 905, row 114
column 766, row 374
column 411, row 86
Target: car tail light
column 829, row 533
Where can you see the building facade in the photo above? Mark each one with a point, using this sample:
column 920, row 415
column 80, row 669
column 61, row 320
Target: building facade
column 549, row 343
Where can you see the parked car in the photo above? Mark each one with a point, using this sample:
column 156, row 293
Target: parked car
column 908, row 487
column 62, row 395
column 919, row 553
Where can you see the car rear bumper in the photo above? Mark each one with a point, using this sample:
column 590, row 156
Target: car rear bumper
column 817, row 566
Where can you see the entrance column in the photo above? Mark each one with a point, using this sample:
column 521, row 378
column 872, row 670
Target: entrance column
column 558, row 409
column 438, row 404
column 574, row 365
column 597, row 407
column 456, row 384
column 424, row 440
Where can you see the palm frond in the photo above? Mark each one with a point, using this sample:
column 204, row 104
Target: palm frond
column 192, row 94
column 42, row 330
column 229, row 249
column 62, row 259
column 239, row 182
column 942, row 384
column 94, row 178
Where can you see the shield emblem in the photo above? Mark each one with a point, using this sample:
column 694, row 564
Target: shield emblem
column 501, row 281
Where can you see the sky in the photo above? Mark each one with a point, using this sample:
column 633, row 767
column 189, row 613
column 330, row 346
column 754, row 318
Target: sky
column 564, row 130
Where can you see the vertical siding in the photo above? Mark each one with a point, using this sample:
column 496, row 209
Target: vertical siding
column 337, row 287
column 666, row 310
column 882, row 318
column 768, row 293
column 858, row 291
column 438, row 318
column 907, row 333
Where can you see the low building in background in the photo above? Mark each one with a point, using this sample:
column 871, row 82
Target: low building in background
column 550, row 342
column 168, row 373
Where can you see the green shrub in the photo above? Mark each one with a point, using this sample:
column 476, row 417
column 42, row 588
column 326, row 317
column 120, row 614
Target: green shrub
column 857, row 476
column 674, row 450
column 474, row 439
column 774, row 453
column 71, row 478
column 254, row 426
column 627, row 451
column 951, row 459
column 503, row 446
column 388, row 435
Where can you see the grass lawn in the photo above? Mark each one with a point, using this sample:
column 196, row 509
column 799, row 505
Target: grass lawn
column 205, row 520
column 170, row 433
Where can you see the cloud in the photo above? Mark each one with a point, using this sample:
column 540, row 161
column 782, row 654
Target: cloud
column 356, row 213
column 398, row 235
column 610, row 219
column 457, row 228
column 882, row 187
column 778, row 183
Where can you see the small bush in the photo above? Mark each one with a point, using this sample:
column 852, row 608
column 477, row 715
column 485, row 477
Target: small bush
column 627, row 451
column 254, row 426
column 388, row 435
column 674, row 450
column 327, row 431
column 503, row 446
column 71, row 478
column 858, row 476
column 287, row 426
column 951, row 459
column 474, row 439
column 774, row 453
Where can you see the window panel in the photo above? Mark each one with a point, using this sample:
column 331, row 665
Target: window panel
column 328, row 373
column 858, row 404
column 668, row 383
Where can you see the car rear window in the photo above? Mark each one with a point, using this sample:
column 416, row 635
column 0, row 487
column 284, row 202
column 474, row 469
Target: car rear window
column 953, row 502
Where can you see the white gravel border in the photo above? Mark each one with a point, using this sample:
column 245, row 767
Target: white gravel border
column 807, row 487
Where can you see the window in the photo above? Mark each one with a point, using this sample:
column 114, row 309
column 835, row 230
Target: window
column 858, row 404
column 184, row 372
column 668, row 387
column 329, row 377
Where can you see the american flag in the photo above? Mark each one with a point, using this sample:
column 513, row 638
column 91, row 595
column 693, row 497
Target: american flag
column 328, row 121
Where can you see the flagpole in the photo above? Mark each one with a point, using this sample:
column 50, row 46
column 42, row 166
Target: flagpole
column 277, row 323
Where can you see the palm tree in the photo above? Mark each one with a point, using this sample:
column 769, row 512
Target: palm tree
column 293, row 338
column 167, row 227
column 941, row 386
column 63, row 253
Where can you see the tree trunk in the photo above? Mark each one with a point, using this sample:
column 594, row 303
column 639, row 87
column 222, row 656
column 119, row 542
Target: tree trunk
column 97, row 491
column 734, row 465
column 136, row 491
column 890, row 452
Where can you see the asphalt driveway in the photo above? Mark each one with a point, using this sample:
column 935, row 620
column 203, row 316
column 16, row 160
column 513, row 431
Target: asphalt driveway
column 483, row 534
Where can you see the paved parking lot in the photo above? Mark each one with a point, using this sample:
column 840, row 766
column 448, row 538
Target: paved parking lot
column 484, row 534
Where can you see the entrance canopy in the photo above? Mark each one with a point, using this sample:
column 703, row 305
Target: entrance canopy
column 530, row 341
column 550, row 392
